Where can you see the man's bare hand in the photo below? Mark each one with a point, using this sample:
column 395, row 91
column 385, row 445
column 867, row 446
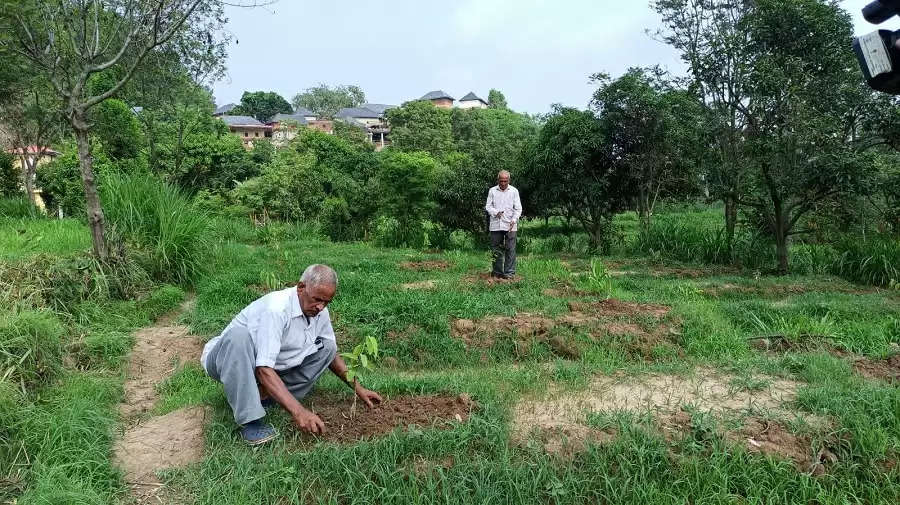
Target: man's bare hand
column 499, row 214
column 369, row 397
column 309, row 422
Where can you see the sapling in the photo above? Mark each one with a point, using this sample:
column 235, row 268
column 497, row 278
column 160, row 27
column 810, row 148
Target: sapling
column 600, row 278
column 361, row 358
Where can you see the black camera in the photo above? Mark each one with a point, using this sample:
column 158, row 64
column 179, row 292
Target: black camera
column 878, row 52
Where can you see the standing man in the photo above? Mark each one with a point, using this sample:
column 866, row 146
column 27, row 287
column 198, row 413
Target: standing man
column 275, row 350
column 504, row 208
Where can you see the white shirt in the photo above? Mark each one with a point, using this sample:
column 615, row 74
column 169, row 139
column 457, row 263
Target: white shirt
column 507, row 201
column 279, row 330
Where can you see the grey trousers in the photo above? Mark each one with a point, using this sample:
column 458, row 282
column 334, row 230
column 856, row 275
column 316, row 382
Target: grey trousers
column 233, row 363
column 503, row 250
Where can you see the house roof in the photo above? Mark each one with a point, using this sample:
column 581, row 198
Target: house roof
column 297, row 116
column 435, row 95
column 471, row 96
column 241, row 121
column 378, row 107
column 358, row 112
column 303, row 111
column 224, row 109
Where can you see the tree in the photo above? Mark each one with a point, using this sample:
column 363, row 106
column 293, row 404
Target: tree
column 420, row 126
column 325, row 101
column 32, row 119
column 580, row 176
column 118, row 129
column 262, row 105
column 70, row 42
column 496, row 100
column 713, row 39
column 800, row 111
column 649, row 124
column 487, row 141
column 407, row 182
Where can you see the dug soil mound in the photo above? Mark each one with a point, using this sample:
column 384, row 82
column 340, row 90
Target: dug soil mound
column 438, row 411
column 485, row 279
column 619, row 308
column 424, row 266
column 887, row 369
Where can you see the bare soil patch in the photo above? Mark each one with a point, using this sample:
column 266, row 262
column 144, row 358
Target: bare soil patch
column 418, row 285
column 172, row 440
column 425, row 266
column 887, row 369
column 158, row 351
column 706, row 390
column 776, row 344
column 559, row 420
column 438, row 411
column 487, row 280
column 617, row 308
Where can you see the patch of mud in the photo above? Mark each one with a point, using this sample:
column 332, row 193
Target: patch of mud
column 399, row 412
column 425, row 266
column 887, row 369
column 618, row 308
column 524, row 328
column 158, row 351
column 172, row 440
column 567, row 442
column 424, row 285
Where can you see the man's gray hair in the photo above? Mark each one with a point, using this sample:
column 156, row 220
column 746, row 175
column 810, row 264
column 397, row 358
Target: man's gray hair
column 502, row 173
column 319, row 275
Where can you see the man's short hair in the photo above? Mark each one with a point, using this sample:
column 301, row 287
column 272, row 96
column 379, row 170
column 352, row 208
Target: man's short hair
column 319, row 275
column 503, row 172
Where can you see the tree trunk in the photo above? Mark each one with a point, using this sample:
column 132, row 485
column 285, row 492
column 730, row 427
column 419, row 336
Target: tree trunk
column 781, row 239
column 730, row 222
column 91, row 195
column 643, row 208
column 28, row 169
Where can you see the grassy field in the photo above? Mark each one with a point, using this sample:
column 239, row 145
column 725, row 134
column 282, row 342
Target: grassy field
column 695, row 384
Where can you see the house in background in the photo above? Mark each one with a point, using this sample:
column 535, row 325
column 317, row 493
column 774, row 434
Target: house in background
column 33, row 154
column 223, row 110
column 285, row 126
column 248, row 129
column 439, row 99
column 369, row 117
column 471, row 101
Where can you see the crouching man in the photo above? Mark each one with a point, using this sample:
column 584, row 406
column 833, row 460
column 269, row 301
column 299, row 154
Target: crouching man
column 275, row 350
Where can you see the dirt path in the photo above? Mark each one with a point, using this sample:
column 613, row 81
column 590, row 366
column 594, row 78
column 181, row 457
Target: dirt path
column 150, row 444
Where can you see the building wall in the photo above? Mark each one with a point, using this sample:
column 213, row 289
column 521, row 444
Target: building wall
column 443, row 103
column 472, row 104
column 369, row 121
column 249, row 134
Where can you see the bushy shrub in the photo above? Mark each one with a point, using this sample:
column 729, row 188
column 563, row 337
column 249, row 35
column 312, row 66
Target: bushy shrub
column 161, row 221
column 31, row 347
column 406, row 184
column 290, row 188
column 336, row 220
column 60, row 180
column 815, row 259
column 10, row 176
column 874, row 260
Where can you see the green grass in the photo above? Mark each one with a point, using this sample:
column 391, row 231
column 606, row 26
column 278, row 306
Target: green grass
column 23, row 238
column 715, row 311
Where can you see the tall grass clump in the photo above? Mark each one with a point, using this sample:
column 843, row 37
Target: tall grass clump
column 161, row 221
column 31, row 348
column 873, row 261
column 695, row 240
column 17, row 207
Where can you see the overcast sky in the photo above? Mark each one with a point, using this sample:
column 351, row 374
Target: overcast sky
column 538, row 52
